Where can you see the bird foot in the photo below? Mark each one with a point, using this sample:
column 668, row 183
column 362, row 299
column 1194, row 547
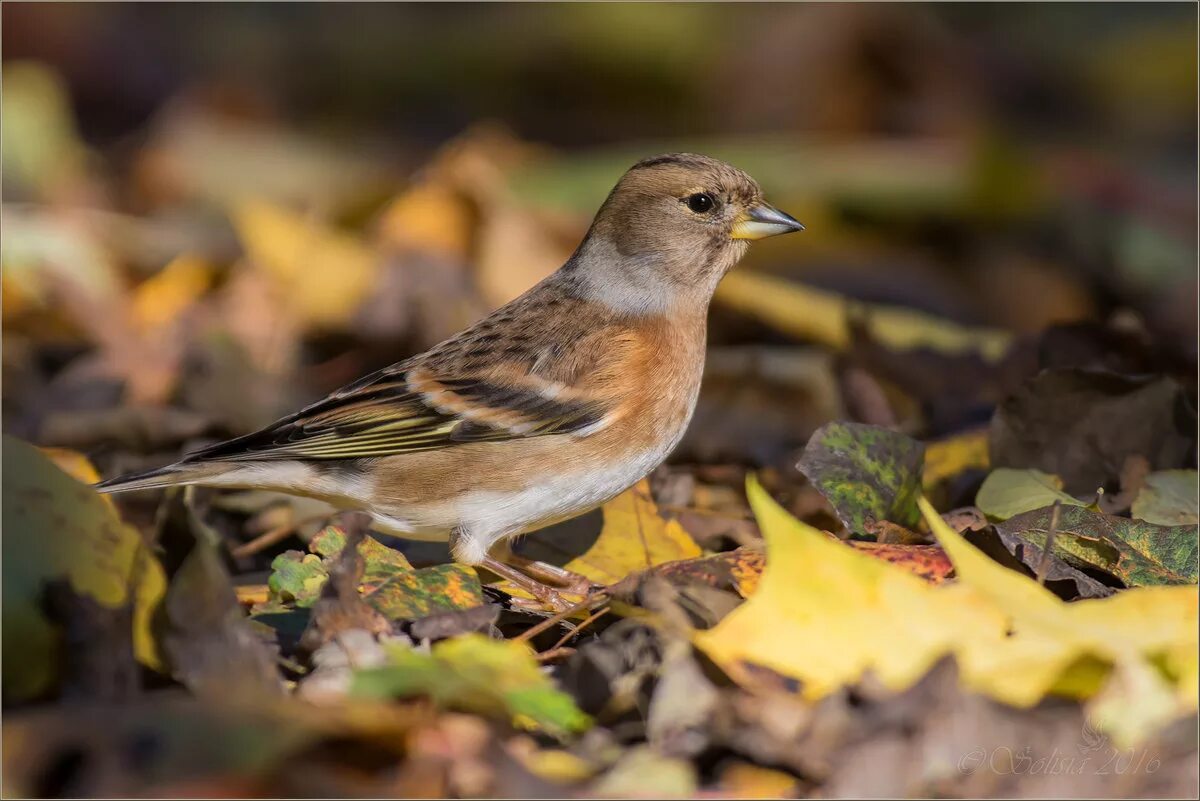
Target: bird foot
column 556, row 599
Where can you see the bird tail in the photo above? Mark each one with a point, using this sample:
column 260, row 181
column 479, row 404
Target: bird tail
column 170, row 476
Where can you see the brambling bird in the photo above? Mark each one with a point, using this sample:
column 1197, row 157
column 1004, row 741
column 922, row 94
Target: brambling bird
column 545, row 409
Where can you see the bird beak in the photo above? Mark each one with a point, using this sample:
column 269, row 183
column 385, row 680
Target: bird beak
column 763, row 221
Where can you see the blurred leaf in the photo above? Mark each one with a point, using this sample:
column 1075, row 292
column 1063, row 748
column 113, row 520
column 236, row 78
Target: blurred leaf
column 42, row 149
column 40, row 246
column 1082, row 425
column 213, row 649
column 1136, row 552
column 1013, row 639
column 1169, row 498
column 641, row 772
column 1007, row 492
column 196, row 153
column 429, row 216
column 389, row 583
column 746, row 780
column 477, row 674
column 946, row 458
column 321, row 274
column 825, row 317
column 162, row 298
column 57, row 528
column 867, row 474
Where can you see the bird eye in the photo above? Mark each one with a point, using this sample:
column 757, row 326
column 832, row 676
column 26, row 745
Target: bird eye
column 701, row 202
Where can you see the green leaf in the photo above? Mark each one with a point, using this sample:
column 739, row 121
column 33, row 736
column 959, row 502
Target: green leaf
column 296, row 577
column 1136, row 552
column 1007, row 492
column 56, row 528
column 476, row 674
column 389, row 583
column 867, row 473
column 1169, row 498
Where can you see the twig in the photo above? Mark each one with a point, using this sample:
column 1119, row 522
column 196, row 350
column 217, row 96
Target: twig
column 272, row 536
column 1048, row 547
column 554, row 653
column 530, row 633
column 583, row 624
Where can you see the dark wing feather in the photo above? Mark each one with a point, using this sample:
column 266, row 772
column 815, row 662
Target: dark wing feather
column 379, row 415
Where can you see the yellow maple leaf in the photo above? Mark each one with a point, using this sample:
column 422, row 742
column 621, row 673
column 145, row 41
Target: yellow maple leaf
column 634, row 536
column 825, row 614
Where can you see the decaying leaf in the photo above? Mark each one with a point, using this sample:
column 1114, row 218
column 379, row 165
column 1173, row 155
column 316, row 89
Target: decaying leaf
column 388, row 583
column 1082, row 425
column 213, row 649
column 1136, row 552
column 1169, row 498
column 866, row 473
column 56, row 528
column 1007, row 492
column 475, row 673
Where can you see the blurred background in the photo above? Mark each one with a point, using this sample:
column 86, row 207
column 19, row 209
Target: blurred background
column 215, row 213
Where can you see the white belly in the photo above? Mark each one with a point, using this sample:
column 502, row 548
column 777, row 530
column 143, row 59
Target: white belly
column 484, row 517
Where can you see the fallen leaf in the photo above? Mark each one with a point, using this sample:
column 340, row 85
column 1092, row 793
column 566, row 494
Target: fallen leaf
column 56, row 528
column 213, row 649
column 1007, row 492
column 478, row 674
column 825, row 317
column 633, row 536
column 946, row 458
column 1148, row 628
column 159, row 300
column 641, row 772
column 388, row 583
column 745, row 780
column 1061, row 577
column 866, row 473
column 321, row 274
column 826, row 614
column 44, row 152
column 341, row 608
column 1169, row 498
column 1082, row 425
column 1013, row 639
column 195, row 152
column 1136, row 552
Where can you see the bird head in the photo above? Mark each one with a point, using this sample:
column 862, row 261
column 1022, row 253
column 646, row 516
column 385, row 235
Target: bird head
column 677, row 223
